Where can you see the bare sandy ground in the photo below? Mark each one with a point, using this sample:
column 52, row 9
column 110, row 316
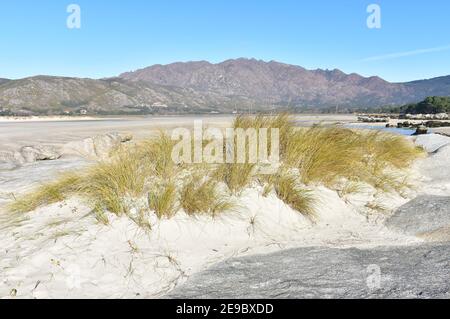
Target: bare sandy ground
column 58, row 131
column 60, row 251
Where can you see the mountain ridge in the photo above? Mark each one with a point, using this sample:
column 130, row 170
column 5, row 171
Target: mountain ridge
column 201, row 86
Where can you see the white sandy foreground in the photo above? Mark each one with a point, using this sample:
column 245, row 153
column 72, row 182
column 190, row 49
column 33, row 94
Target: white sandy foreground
column 61, row 251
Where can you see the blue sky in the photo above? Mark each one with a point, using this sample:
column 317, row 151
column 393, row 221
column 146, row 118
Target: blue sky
column 118, row 35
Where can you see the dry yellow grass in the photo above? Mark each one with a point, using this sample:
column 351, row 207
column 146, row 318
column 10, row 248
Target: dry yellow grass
column 236, row 176
column 326, row 154
column 48, row 193
column 156, row 156
column 283, row 122
column 163, row 200
column 300, row 199
column 108, row 182
column 100, row 215
column 287, row 188
column 201, row 196
column 319, row 155
column 349, row 188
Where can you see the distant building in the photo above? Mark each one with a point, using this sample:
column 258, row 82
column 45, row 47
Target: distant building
column 83, row 112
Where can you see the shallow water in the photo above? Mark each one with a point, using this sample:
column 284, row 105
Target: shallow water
column 395, row 130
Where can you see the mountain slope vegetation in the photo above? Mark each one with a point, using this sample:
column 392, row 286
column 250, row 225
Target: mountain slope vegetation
column 196, row 87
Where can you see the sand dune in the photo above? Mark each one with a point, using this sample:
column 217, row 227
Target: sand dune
column 60, row 251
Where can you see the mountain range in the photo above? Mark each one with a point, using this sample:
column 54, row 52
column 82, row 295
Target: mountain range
column 201, row 86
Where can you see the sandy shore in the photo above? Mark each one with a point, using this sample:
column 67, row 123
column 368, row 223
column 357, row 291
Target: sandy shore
column 60, row 251
column 15, row 134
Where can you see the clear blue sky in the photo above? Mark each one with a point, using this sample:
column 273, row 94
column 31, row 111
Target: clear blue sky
column 118, row 35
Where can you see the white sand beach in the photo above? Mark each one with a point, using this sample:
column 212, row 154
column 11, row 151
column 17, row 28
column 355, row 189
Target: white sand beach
column 61, row 251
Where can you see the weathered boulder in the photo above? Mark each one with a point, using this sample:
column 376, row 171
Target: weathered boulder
column 423, row 215
column 422, row 129
column 39, row 153
column 432, row 142
column 436, row 167
column 10, row 157
column 28, row 154
column 388, row 272
column 97, row 147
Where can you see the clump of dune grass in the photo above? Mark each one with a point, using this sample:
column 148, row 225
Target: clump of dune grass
column 108, row 182
column 200, row 196
column 319, row 155
column 48, row 193
column 100, row 215
column 236, row 176
column 287, row 188
column 156, row 156
column 325, row 155
column 389, row 149
column 283, row 122
column 349, row 188
column 163, row 200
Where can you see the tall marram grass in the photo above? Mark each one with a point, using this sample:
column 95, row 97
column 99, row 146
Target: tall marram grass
column 327, row 154
column 236, row 176
column 290, row 191
column 283, row 122
column 319, row 155
column 49, row 193
column 202, row 196
column 163, row 200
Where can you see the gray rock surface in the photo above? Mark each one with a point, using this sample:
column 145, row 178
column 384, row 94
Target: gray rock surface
column 432, row 142
column 437, row 167
column 404, row 272
column 11, row 159
column 421, row 271
column 39, row 153
column 28, row 154
column 422, row 215
column 97, row 147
